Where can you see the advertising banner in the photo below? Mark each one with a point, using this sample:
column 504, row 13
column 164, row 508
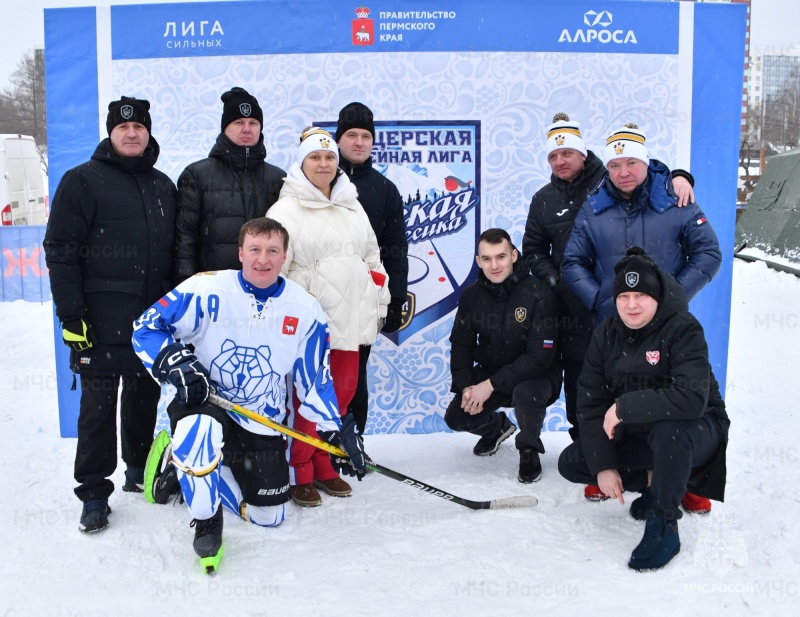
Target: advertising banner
column 462, row 95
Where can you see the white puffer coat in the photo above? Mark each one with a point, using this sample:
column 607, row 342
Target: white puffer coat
column 332, row 252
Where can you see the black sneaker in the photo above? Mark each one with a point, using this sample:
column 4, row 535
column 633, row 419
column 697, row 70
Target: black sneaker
column 530, row 468
column 208, row 534
column 487, row 446
column 134, row 480
column 94, row 516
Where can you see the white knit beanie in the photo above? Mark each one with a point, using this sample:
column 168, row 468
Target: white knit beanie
column 312, row 139
column 627, row 142
column 564, row 133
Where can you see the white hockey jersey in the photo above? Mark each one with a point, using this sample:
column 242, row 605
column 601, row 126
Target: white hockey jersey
column 252, row 350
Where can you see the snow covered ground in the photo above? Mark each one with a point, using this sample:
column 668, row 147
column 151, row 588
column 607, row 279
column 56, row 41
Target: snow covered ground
column 391, row 550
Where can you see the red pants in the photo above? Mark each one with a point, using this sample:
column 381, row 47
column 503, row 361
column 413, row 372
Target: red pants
column 308, row 463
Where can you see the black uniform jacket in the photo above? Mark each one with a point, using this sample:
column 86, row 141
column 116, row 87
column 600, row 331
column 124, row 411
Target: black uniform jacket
column 656, row 373
column 551, row 217
column 508, row 330
column 216, row 197
column 382, row 202
column 108, row 247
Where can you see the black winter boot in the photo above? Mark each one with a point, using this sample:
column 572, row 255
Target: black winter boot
column 659, row 544
column 530, row 468
column 94, row 516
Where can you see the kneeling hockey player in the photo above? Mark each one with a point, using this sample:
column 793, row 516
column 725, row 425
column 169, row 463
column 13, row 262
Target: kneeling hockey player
column 254, row 334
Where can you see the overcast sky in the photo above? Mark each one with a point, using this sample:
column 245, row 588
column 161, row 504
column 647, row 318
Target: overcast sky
column 774, row 23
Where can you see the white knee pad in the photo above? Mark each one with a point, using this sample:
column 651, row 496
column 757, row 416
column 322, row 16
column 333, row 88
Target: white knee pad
column 197, row 445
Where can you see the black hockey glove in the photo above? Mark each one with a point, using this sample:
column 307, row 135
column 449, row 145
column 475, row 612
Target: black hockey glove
column 77, row 334
column 347, row 439
column 177, row 365
column 394, row 315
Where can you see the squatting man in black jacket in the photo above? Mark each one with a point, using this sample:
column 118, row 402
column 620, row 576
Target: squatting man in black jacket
column 108, row 246
column 651, row 416
column 502, row 352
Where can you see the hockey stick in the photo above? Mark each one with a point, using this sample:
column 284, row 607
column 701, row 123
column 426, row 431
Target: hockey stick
column 524, row 501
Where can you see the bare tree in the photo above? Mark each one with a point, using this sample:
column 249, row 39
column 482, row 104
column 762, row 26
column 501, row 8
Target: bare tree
column 22, row 104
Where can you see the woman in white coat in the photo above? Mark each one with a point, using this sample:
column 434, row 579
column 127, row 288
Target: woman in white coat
column 333, row 253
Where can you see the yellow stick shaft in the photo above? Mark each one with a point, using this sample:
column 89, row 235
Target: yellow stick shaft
column 246, row 413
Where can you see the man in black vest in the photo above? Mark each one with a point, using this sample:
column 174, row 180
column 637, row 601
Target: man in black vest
column 108, row 247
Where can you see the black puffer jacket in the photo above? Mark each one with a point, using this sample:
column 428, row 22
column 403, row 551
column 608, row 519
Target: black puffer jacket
column 550, row 219
column 508, row 329
column 108, row 246
column 216, row 197
column 659, row 372
column 382, row 202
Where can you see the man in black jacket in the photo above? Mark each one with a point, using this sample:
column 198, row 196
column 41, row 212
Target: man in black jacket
column 651, row 416
column 222, row 192
column 355, row 135
column 108, row 247
column 502, row 354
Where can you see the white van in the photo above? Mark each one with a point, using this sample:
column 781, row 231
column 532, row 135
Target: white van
column 23, row 194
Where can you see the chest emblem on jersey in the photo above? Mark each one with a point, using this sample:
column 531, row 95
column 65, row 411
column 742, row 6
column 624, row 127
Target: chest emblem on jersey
column 289, row 325
column 652, row 357
column 520, row 314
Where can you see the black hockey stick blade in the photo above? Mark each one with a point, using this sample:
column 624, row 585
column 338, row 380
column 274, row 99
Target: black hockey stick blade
column 524, row 501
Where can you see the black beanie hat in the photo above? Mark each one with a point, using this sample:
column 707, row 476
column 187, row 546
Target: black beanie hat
column 637, row 272
column 355, row 116
column 128, row 109
column 239, row 103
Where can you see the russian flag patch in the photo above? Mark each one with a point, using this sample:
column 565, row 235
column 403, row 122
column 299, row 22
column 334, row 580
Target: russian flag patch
column 547, row 344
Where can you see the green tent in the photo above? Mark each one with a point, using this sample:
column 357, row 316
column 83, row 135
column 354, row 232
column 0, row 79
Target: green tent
column 771, row 221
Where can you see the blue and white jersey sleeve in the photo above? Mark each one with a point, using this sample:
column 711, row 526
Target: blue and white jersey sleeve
column 162, row 323
column 311, row 376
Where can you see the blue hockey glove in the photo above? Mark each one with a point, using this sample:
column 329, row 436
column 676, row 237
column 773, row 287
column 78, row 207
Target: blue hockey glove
column 77, row 334
column 348, row 440
column 177, row 365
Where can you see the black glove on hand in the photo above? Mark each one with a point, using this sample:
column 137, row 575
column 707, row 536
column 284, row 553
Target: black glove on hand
column 77, row 334
column 394, row 315
column 177, row 365
column 551, row 280
column 347, row 439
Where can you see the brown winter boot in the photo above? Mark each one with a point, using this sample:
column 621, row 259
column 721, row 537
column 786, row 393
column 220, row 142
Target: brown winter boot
column 335, row 486
column 305, row 495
